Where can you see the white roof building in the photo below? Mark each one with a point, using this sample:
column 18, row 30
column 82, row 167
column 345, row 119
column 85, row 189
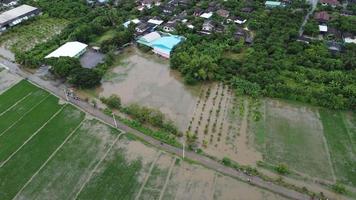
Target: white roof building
column 155, row 21
column 323, row 28
column 350, row 40
column 135, row 21
column 69, row 49
column 16, row 13
column 207, row 15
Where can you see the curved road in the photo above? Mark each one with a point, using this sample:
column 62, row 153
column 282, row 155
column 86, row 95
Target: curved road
column 58, row 90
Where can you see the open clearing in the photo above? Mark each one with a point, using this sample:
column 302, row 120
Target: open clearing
column 35, row 31
column 315, row 142
column 52, row 151
column 340, row 132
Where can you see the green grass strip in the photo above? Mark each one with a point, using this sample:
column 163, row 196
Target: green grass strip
column 71, row 166
column 340, row 146
column 27, row 126
column 16, row 112
column 17, row 171
column 116, row 179
column 16, row 93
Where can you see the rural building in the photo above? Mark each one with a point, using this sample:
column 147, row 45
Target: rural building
column 323, row 28
column 69, row 49
column 134, row 21
column 322, row 17
column 332, row 3
column 170, row 26
column 9, row 3
column 206, row 15
column 273, row 4
column 208, row 27
column 349, row 38
column 162, row 44
column 17, row 15
column 223, row 13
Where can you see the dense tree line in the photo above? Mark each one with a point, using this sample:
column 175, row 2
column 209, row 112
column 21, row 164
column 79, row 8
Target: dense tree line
column 152, row 117
column 276, row 65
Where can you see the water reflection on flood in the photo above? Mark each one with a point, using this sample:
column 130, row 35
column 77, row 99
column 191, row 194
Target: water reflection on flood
column 148, row 80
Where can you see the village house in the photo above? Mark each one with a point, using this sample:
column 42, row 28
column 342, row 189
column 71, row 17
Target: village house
column 237, row 20
column 148, row 4
column 349, row 38
column 208, row 27
column 9, row 3
column 223, row 13
column 332, row 3
column 170, row 26
column 273, row 4
column 322, row 17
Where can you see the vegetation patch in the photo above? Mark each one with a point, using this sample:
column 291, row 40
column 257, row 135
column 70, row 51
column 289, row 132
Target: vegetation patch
column 70, row 168
column 116, row 178
column 35, row 31
column 293, row 135
column 19, row 169
column 16, row 93
column 341, row 143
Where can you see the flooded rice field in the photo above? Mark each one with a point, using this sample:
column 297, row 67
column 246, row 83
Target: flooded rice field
column 148, row 81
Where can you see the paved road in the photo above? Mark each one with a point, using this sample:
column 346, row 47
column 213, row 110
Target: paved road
column 57, row 89
column 313, row 3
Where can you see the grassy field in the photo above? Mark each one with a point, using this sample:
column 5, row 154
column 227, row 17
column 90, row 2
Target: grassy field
column 293, row 135
column 24, row 128
column 317, row 142
column 339, row 129
column 18, row 110
column 73, row 163
column 19, row 169
column 115, row 179
column 19, row 91
column 26, row 36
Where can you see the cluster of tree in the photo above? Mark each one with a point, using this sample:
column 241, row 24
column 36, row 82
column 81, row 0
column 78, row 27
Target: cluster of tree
column 71, row 70
column 151, row 116
column 276, row 65
column 60, row 8
column 113, row 102
column 120, row 38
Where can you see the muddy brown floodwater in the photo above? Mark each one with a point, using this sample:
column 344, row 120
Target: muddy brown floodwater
column 148, row 80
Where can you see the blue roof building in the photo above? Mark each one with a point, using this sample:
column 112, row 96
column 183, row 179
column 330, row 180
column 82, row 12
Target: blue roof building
column 162, row 44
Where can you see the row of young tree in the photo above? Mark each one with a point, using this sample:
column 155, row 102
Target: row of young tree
column 276, row 65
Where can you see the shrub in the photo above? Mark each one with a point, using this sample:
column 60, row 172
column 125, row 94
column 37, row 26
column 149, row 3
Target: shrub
column 339, row 188
column 282, row 169
column 113, row 102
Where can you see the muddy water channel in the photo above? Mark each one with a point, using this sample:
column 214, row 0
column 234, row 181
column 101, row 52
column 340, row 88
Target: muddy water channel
column 148, row 80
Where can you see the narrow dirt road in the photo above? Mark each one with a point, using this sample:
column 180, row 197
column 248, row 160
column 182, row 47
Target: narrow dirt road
column 57, row 89
column 313, row 3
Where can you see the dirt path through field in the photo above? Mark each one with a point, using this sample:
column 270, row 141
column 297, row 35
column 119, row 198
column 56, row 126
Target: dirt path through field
column 246, row 154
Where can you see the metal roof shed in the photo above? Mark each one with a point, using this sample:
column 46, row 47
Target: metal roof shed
column 69, row 49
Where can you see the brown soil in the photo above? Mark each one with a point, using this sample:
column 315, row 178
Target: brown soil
column 221, row 132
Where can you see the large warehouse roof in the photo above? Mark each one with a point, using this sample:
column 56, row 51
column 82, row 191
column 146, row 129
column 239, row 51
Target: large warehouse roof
column 15, row 13
column 69, row 49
